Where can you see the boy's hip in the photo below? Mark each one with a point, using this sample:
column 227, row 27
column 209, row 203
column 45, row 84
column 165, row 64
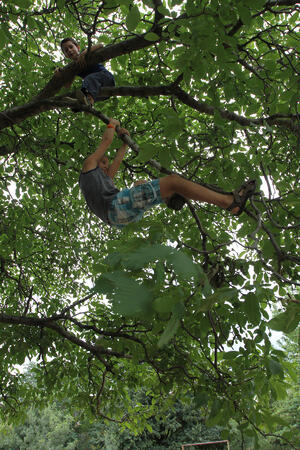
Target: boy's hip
column 129, row 205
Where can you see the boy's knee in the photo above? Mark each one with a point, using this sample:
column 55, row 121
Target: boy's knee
column 174, row 179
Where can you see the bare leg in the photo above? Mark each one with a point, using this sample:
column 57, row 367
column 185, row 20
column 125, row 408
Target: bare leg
column 172, row 184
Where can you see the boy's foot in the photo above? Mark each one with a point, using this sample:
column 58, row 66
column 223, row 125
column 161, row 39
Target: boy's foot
column 82, row 98
column 90, row 99
column 240, row 197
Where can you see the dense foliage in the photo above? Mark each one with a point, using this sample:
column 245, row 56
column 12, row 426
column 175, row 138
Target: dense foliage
column 55, row 428
column 180, row 302
column 58, row 426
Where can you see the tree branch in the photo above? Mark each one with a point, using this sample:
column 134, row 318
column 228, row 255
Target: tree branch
column 47, row 323
column 37, row 106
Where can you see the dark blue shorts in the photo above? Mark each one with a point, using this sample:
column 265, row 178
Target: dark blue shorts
column 129, row 205
column 93, row 82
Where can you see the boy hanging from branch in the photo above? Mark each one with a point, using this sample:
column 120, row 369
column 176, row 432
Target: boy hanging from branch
column 94, row 77
column 119, row 208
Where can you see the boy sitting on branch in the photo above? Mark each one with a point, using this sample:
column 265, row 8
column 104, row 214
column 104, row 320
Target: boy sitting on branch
column 94, row 77
column 119, row 208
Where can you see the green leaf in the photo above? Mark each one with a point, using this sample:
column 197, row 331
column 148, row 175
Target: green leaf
column 244, row 13
column 268, row 249
column 172, row 326
column 113, row 259
column 152, row 37
column 165, row 158
column 172, row 124
column 291, row 370
column 25, row 4
column 60, row 3
column 133, row 18
column 147, row 151
column 3, row 37
column 251, row 308
column 257, row 3
column 104, row 286
column 163, row 10
column 201, row 398
column 280, row 389
column 275, row 367
column 166, row 303
column 286, row 322
column 130, row 297
column 159, row 273
column 169, row 331
column 230, row 355
column 216, row 413
column 183, row 265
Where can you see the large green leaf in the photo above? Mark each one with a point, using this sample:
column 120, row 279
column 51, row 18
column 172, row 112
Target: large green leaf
column 274, row 367
column 183, row 265
column 165, row 304
column 147, row 151
column 22, row 3
column 172, row 326
column 251, row 308
column 133, row 18
column 151, row 37
column 286, row 321
column 129, row 297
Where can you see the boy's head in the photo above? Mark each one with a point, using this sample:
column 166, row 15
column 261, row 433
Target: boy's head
column 70, row 48
column 104, row 164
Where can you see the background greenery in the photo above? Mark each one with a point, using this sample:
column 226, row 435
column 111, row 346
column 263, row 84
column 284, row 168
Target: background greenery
column 58, row 426
column 181, row 301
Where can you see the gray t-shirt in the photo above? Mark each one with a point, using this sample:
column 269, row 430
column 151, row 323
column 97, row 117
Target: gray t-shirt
column 98, row 190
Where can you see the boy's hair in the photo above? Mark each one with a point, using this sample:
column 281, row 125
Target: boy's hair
column 68, row 39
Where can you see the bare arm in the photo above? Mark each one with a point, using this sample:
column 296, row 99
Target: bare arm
column 114, row 167
column 91, row 161
column 81, row 58
column 57, row 73
column 69, row 83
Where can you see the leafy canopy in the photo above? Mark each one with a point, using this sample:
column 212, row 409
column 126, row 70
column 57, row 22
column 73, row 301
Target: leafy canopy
column 179, row 302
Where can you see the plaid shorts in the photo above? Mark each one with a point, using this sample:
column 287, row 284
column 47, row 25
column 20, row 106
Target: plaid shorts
column 129, row 205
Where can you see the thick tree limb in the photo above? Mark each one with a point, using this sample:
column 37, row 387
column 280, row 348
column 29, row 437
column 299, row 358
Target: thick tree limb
column 37, row 106
column 173, row 89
